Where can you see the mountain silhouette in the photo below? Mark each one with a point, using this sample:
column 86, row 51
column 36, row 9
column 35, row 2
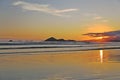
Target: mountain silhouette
column 54, row 39
column 51, row 39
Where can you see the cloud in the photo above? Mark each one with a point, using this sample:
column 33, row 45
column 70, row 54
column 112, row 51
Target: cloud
column 98, row 17
column 115, row 34
column 90, row 14
column 93, row 34
column 105, row 20
column 43, row 8
column 112, row 33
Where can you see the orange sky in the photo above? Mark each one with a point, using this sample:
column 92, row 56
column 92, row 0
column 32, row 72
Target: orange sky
column 24, row 20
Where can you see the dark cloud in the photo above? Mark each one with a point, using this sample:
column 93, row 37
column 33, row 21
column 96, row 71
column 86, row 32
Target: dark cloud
column 94, row 34
column 111, row 34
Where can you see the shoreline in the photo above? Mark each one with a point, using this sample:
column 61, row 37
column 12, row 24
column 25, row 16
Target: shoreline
column 67, row 50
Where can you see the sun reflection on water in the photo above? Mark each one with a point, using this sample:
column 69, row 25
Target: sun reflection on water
column 101, row 56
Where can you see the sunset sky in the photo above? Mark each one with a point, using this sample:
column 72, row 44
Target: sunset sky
column 68, row 19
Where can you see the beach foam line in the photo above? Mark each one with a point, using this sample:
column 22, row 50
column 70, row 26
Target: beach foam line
column 37, row 47
column 45, row 47
column 53, row 46
column 49, row 51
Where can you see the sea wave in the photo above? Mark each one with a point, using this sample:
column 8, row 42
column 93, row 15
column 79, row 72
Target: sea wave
column 53, row 50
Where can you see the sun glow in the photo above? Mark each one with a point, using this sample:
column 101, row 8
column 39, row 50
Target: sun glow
column 99, row 37
column 98, row 28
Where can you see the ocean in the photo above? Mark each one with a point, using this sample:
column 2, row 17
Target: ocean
column 60, row 62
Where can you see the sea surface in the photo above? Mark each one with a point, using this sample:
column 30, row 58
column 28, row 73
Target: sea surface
column 60, row 62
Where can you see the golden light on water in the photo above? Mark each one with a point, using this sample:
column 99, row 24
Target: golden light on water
column 101, row 56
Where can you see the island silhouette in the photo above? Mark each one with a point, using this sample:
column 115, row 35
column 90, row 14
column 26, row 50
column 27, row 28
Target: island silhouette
column 54, row 39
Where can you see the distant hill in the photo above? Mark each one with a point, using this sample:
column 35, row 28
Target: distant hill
column 116, row 39
column 51, row 39
column 54, row 39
